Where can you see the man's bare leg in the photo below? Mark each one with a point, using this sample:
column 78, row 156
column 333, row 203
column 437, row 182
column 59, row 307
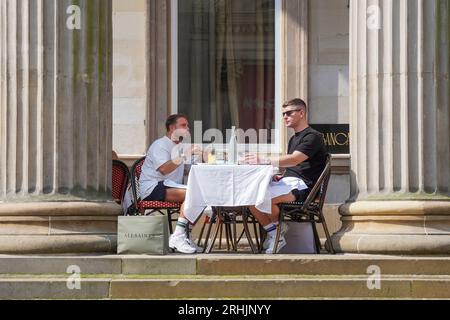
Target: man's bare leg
column 175, row 195
column 265, row 219
column 270, row 222
column 178, row 196
column 183, row 225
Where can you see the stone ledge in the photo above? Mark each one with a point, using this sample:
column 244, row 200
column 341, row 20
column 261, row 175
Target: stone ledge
column 406, row 244
column 224, row 287
column 58, row 264
column 54, row 225
column 395, row 208
column 322, row 265
column 224, row 264
column 53, row 288
column 57, row 244
column 58, row 227
column 308, row 287
column 174, row 265
column 60, row 209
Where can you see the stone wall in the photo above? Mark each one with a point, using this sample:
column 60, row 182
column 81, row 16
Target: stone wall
column 329, row 61
column 129, row 82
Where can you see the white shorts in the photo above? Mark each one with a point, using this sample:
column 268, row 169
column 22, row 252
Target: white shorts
column 286, row 185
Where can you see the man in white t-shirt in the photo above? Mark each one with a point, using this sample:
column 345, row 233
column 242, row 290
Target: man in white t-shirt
column 162, row 175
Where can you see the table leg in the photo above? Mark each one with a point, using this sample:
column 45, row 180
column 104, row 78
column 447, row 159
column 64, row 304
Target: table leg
column 220, row 236
column 219, row 222
column 207, row 221
column 247, row 231
column 212, row 220
column 227, row 235
column 234, row 238
column 255, row 230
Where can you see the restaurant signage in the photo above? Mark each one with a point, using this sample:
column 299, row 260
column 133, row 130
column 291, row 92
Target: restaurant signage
column 335, row 136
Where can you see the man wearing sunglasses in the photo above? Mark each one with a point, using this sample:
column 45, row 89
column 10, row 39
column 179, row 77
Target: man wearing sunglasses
column 303, row 164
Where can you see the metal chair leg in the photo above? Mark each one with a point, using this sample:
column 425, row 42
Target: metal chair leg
column 220, row 236
column 199, row 242
column 255, row 230
column 227, row 234
column 234, row 233
column 212, row 220
column 327, row 234
column 169, row 218
column 277, row 239
column 240, row 236
column 316, row 237
column 247, row 231
column 211, row 244
column 263, row 234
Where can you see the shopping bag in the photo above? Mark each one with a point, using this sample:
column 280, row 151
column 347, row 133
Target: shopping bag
column 143, row 235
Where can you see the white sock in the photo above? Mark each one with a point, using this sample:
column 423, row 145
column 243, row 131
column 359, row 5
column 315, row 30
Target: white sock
column 181, row 226
column 271, row 229
column 190, row 230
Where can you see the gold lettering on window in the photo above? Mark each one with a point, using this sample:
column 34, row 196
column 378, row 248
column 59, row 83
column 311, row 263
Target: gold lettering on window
column 336, row 139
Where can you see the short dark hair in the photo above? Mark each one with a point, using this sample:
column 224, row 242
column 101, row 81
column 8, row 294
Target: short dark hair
column 173, row 120
column 296, row 102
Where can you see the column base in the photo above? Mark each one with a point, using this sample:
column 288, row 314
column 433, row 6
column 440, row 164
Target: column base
column 58, row 227
column 394, row 227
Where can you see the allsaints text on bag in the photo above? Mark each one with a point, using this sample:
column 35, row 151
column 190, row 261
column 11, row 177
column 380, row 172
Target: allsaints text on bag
column 140, row 235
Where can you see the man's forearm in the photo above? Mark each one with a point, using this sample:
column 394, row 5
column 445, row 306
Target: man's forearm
column 171, row 166
column 286, row 161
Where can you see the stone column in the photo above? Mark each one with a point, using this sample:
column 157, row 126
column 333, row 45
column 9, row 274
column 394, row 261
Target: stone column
column 55, row 127
column 399, row 83
column 158, row 74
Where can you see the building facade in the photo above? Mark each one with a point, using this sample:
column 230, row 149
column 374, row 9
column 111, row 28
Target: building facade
column 81, row 77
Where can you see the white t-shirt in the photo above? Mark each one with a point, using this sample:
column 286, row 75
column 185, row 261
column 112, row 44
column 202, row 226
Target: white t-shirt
column 159, row 153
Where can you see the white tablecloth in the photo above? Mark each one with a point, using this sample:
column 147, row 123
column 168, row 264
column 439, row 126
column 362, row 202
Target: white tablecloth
column 227, row 186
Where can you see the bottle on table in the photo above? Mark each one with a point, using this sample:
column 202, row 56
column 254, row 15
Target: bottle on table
column 232, row 147
column 212, row 155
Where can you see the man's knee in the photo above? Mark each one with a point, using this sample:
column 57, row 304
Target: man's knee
column 176, row 195
column 284, row 198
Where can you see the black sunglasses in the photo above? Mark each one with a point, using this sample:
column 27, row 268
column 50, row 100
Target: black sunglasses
column 288, row 113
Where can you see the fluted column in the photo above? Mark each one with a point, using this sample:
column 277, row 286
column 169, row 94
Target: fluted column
column 399, row 91
column 158, row 67
column 55, row 126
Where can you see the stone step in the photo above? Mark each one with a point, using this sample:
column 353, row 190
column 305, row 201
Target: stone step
column 226, row 264
column 204, row 287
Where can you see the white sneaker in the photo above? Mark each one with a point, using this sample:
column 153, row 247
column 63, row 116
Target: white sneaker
column 180, row 244
column 281, row 244
column 284, row 229
column 193, row 244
